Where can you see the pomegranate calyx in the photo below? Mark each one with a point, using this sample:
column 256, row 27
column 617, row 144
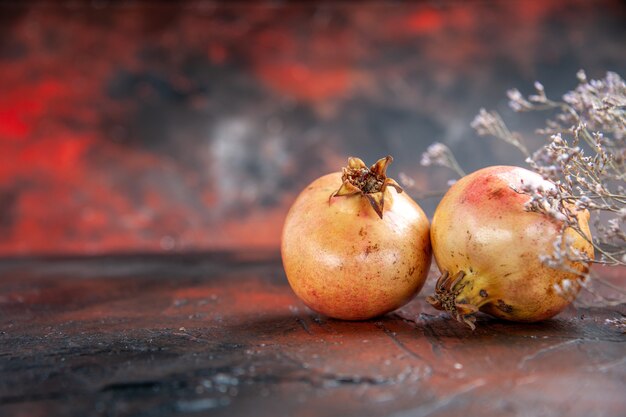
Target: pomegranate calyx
column 447, row 291
column 370, row 182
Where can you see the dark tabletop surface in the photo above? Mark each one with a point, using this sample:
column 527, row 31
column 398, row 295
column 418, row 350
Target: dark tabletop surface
column 224, row 335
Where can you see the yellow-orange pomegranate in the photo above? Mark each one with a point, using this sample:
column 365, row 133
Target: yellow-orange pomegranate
column 354, row 246
column 487, row 246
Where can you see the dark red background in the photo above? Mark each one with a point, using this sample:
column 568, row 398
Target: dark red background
column 152, row 127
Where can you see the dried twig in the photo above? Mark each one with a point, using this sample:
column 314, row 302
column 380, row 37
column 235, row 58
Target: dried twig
column 584, row 157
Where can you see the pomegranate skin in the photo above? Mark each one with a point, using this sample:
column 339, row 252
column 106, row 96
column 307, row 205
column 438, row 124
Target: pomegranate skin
column 344, row 261
column 482, row 230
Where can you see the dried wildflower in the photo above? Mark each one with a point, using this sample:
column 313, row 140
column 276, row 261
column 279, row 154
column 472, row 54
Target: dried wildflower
column 440, row 154
column 406, row 181
column 517, row 101
column 491, row 124
column 585, row 158
column 599, row 105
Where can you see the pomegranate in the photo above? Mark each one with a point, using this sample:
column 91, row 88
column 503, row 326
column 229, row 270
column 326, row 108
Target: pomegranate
column 354, row 246
column 488, row 247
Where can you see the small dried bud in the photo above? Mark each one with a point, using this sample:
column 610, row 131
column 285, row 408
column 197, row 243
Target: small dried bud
column 517, row 102
column 406, row 181
column 436, row 154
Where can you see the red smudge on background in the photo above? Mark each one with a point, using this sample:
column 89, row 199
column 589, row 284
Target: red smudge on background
column 23, row 106
column 217, row 53
column 68, row 186
column 301, row 82
column 424, row 21
column 12, row 125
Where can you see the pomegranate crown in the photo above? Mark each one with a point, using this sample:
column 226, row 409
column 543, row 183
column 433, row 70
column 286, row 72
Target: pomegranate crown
column 371, row 183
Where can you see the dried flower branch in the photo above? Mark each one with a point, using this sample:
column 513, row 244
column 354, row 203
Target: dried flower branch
column 491, row 124
column 440, row 154
column 585, row 159
column 409, row 183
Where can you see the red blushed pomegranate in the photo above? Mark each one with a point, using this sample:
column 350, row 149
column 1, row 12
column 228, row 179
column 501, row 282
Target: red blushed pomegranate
column 354, row 246
column 487, row 246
